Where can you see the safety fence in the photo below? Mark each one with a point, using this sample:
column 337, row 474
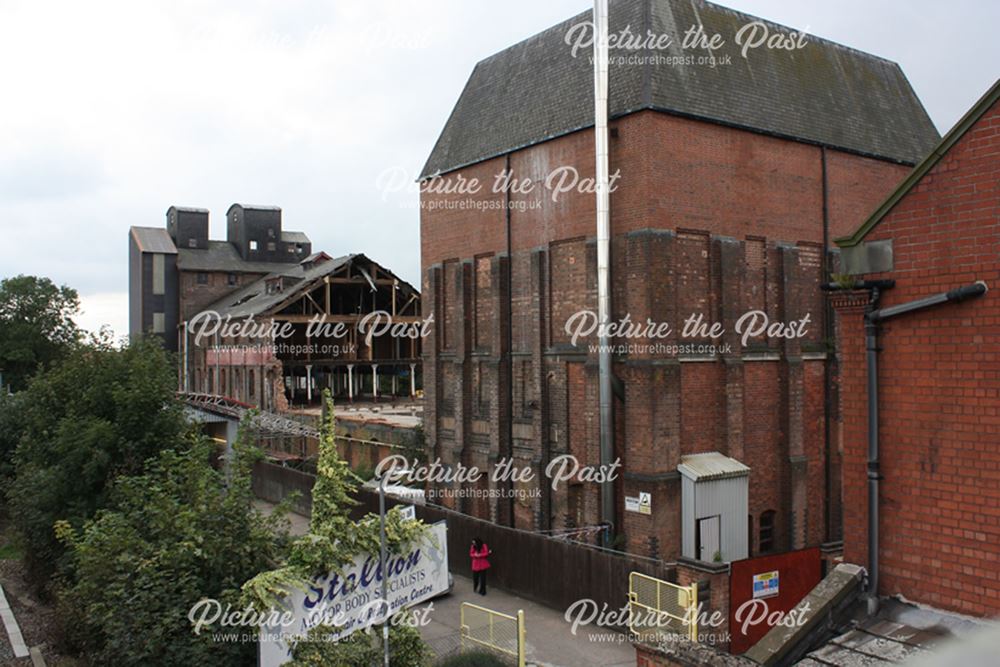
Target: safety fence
column 485, row 628
column 658, row 608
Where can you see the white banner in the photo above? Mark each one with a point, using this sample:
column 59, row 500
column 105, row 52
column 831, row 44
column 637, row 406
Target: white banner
column 352, row 601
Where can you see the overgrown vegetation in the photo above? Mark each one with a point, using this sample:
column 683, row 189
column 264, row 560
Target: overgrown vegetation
column 98, row 415
column 331, row 545
column 362, row 649
column 174, row 535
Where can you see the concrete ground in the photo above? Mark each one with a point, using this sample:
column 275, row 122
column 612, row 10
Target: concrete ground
column 548, row 637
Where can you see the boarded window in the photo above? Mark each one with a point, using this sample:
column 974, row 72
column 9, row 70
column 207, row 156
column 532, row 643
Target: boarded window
column 159, row 274
column 767, row 532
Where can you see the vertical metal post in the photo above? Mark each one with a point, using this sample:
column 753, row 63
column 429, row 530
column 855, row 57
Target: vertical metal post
column 693, row 627
column 382, row 566
column 603, row 254
column 520, row 638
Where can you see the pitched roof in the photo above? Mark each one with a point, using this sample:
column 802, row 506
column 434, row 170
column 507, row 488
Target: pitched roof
column 254, row 299
column 223, row 256
column 824, row 93
column 153, row 239
column 711, row 465
column 970, row 118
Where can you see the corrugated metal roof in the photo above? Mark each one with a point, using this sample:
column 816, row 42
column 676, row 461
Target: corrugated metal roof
column 153, row 239
column 711, row 465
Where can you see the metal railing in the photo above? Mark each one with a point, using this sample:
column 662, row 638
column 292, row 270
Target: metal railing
column 491, row 629
column 658, row 607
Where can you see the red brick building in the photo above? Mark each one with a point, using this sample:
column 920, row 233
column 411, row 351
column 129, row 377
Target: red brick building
column 939, row 375
column 730, row 179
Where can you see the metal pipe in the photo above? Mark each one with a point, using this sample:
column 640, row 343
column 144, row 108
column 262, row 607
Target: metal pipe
column 871, row 347
column 509, row 314
column 958, row 294
column 385, row 578
column 873, row 317
column 603, row 254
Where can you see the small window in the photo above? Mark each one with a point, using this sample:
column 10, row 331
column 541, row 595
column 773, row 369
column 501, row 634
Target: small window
column 159, row 323
column 767, row 532
column 231, row 278
column 271, row 247
column 202, row 278
column 159, row 274
column 192, row 243
column 298, row 248
column 253, row 246
column 291, row 248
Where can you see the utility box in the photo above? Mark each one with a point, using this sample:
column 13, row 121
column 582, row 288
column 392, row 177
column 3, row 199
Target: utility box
column 714, row 506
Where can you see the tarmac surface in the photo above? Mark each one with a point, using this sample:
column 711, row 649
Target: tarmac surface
column 549, row 640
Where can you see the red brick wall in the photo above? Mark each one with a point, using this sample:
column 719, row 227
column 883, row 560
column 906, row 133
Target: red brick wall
column 705, row 219
column 939, row 374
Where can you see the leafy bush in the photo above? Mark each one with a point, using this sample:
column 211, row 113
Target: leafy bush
column 99, row 414
column 361, row 649
column 173, row 536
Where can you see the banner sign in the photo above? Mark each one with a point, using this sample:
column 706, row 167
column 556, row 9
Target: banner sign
column 351, row 601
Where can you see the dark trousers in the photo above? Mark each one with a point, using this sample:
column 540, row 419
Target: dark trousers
column 479, row 582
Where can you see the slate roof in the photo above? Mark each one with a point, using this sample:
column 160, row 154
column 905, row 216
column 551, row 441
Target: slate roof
column 253, row 299
column 153, row 239
column 223, row 256
column 825, row 93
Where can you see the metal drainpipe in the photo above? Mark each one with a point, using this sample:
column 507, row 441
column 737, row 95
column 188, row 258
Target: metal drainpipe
column 871, row 351
column 510, row 346
column 603, row 255
column 873, row 317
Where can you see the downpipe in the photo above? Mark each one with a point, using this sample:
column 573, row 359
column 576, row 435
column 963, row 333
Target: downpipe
column 873, row 317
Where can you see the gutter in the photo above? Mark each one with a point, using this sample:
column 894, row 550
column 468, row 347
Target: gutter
column 873, row 317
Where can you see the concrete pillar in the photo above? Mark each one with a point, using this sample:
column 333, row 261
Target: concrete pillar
column 375, row 381
column 350, row 382
column 413, row 380
column 309, row 383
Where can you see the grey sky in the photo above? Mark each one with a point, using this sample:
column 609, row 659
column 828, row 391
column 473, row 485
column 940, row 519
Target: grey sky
column 113, row 111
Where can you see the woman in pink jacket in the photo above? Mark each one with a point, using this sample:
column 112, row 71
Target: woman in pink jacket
column 480, row 554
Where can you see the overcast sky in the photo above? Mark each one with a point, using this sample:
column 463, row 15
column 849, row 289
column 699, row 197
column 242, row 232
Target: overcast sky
column 112, row 111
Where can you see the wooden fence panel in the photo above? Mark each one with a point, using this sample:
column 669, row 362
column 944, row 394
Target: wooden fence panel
column 549, row 571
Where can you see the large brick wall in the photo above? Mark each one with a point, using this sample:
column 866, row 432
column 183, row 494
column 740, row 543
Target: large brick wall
column 939, row 374
column 705, row 219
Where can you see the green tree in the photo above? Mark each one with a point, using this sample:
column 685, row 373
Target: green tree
column 36, row 326
column 332, row 543
column 174, row 535
column 11, row 429
column 99, row 414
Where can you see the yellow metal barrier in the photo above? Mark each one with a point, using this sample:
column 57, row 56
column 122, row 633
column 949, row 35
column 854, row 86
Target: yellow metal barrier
column 657, row 607
column 496, row 631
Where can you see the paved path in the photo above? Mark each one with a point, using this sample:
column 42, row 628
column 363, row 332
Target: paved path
column 549, row 640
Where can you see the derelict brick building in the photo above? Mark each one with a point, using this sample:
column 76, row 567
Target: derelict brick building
column 264, row 274
column 731, row 179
